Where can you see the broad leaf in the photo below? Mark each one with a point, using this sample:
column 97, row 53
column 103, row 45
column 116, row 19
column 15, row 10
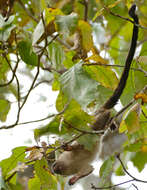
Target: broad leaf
column 6, row 27
column 3, row 185
column 47, row 180
column 34, row 183
column 86, row 35
column 27, row 54
column 104, row 75
column 18, row 154
column 4, row 109
column 66, row 24
column 56, row 55
column 105, row 172
column 139, row 160
column 132, row 122
column 77, row 84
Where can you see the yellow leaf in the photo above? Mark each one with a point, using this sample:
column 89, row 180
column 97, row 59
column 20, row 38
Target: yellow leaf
column 132, row 122
column 86, row 35
column 98, row 59
column 114, row 4
column 101, row 11
column 144, row 148
column 122, row 127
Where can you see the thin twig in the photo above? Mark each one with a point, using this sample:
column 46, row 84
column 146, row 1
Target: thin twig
column 83, row 131
column 111, row 186
column 35, row 121
column 135, row 186
column 111, row 65
column 134, row 178
column 13, row 75
column 124, row 18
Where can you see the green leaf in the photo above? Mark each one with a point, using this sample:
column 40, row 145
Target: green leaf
column 38, row 32
column 76, row 116
column 3, row 185
column 139, row 160
column 27, row 54
column 34, row 183
column 18, row 154
column 106, row 167
column 68, row 62
column 77, row 84
column 103, row 95
column 4, row 67
column 89, row 141
column 132, row 122
column 135, row 147
column 105, row 76
column 47, row 180
column 144, row 49
column 4, row 109
column 105, row 172
column 6, row 27
column 66, row 24
column 56, row 55
column 119, row 171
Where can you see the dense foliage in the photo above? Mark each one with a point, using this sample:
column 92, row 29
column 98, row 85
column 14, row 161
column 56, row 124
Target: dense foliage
column 79, row 47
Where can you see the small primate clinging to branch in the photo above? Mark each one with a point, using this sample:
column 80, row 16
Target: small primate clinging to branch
column 76, row 160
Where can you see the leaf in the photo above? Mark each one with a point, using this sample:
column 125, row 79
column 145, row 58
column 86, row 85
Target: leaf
column 56, row 55
column 100, row 12
column 105, row 76
column 105, row 171
column 4, row 109
column 38, row 32
column 89, row 141
column 122, row 127
column 86, row 35
column 49, row 17
column 27, row 54
column 18, row 154
column 66, row 24
column 77, row 84
column 139, row 160
column 3, row 185
column 6, row 27
column 68, row 62
column 135, row 147
column 97, row 58
column 132, row 122
column 119, row 171
column 34, row 183
column 47, row 180
column 144, row 49
column 106, row 167
column 4, row 67
column 75, row 116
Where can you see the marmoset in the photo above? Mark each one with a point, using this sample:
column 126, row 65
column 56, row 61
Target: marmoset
column 77, row 160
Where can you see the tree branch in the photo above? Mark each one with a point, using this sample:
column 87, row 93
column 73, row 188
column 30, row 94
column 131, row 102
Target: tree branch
column 134, row 178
